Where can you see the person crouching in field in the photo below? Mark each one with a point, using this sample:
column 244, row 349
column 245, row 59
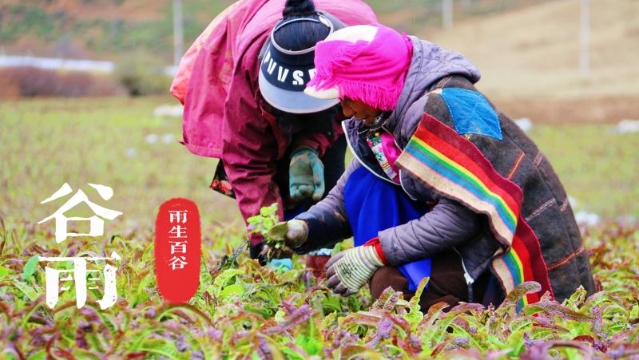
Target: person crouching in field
column 242, row 86
column 442, row 183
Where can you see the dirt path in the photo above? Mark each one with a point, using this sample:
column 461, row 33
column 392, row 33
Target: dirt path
column 582, row 110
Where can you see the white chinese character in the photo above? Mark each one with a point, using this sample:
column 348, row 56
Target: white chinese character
column 96, row 223
column 52, row 278
column 178, row 247
column 177, row 262
column 177, row 232
column 177, row 216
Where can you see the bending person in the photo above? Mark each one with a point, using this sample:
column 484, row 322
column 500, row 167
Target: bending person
column 442, row 183
column 242, row 85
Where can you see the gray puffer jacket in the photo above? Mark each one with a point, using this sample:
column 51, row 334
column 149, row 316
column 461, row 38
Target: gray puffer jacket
column 452, row 223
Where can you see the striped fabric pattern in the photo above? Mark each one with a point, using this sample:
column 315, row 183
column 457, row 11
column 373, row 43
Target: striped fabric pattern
column 455, row 167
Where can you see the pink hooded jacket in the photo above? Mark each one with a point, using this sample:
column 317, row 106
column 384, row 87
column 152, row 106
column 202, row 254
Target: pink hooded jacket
column 217, row 81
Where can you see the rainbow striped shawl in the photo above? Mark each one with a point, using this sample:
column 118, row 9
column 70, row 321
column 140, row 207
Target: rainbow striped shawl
column 455, row 167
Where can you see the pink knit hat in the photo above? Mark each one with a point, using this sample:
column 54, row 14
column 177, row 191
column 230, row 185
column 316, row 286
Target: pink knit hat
column 363, row 62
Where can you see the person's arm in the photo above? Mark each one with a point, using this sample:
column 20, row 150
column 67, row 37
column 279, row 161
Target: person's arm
column 250, row 158
column 327, row 220
column 252, row 142
column 447, row 225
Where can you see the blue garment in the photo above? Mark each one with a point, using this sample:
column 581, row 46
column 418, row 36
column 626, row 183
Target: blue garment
column 472, row 113
column 373, row 205
column 281, row 265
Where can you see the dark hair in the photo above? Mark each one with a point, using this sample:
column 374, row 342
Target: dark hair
column 300, row 35
column 298, row 8
column 310, row 123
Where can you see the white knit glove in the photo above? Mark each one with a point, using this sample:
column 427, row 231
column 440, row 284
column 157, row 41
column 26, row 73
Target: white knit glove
column 351, row 269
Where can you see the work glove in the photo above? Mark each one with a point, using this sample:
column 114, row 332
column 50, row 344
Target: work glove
column 281, row 265
column 284, row 238
column 306, row 175
column 349, row 270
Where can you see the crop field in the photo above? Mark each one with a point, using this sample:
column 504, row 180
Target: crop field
column 242, row 310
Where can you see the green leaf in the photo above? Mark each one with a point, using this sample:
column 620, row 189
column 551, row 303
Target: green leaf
column 415, row 316
column 278, row 232
column 232, row 291
column 254, row 220
column 39, row 355
column 266, row 211
column 225, row 279
column 28, row 290
column 4, row 271
column 268, row 223
column 30, row 267
column 331, row 304
column 290, row 353
column 310, row 344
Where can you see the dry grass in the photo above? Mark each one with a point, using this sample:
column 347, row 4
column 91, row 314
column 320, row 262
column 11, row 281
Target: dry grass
column 534, row 52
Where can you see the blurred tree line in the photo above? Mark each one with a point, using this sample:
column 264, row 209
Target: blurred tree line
column 50, row 27
column 139, row 37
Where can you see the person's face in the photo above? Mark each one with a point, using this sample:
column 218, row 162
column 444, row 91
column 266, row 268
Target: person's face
column 359, row 111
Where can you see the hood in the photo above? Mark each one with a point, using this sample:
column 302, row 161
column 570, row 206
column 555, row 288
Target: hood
column 430, row 63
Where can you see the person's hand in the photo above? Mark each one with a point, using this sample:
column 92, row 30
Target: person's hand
column 350, row 269
column 306, row 175
column 284, row 238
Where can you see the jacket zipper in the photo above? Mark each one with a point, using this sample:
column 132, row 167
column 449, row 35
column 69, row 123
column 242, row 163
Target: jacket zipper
column 469, row 279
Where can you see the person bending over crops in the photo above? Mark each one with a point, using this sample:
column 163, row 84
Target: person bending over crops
column 442, row 183
column 242, row 84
